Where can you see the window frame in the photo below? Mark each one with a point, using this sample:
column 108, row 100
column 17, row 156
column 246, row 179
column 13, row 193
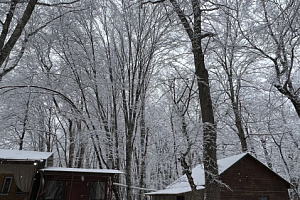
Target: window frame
column 10, row 178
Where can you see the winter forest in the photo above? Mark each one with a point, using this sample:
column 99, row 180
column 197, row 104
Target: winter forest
column 152, row 87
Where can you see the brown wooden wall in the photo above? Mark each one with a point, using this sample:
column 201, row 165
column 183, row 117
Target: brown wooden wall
column 248, row 179
column 11, row 195
column 73, row 185
column 187, row 196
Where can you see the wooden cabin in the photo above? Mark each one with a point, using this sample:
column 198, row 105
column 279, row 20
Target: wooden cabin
column 19, row 172
column 76, row 184
column 243, row 177
column 30, row 175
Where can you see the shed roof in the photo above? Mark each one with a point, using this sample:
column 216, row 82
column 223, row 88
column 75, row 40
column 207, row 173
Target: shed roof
column 81, row 170
column 181, row 185
column 7, row 154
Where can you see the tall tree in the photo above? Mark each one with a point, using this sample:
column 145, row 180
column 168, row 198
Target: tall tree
column 278, row 42
column 181, row 104
column 11, row 33
column 272, row 34
column 231, row 68
column 196, row 34
column 13, row 26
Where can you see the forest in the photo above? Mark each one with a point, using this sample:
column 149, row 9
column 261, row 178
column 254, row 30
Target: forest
column 152, row 87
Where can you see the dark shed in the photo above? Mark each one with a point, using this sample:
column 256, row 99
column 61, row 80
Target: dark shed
column 19, row 176
column 245, row 178
column 76, row 183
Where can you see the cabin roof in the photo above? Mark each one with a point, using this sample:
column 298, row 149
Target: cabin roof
column 7, row 154
column 81, row 170
column 181, row 185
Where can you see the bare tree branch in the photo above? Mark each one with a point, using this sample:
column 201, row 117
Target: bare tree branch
column 153, row 2
column 50, row 21
column 5, row 51
column 57, row 4
column 6, row 24
column 209, row 9
column 54, row 92
column 183, row 19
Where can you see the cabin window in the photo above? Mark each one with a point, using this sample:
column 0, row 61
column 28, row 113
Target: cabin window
column 180, row 198
column 97, row 191
column 263, row 198
column 6, row 185
column 54, row 190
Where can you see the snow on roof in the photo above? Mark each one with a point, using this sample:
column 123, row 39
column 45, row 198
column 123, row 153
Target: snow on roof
column 174, row 190
column 181, row 185
column 6, row 154
column 81, row 170
column 225, row 163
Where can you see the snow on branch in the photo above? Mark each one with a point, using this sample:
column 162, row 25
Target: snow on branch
column 153, row 2
column 57, row 4
column 43, row 3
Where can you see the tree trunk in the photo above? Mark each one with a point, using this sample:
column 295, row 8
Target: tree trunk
column 267, row 156
column 288, row 91
column 239, row 126
column 25, row 121
column 196, row 195
column 186, row 168
column 212, row 187
column 72, row 143
column 114, row 131
column 8, row 46
column 129, row 154
column 82, row 146
column 209, row 129
column 143, row 149
column 234, row 98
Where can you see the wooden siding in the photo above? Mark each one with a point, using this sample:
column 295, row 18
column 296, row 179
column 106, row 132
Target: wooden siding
column 11, row 193
column 249, row 179
column 163, row 197
column 187, row 196
column 73, row 183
